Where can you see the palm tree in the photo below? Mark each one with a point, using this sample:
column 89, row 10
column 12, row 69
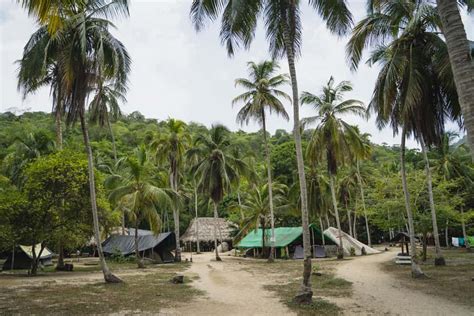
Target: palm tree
column 319, row 195
column 216, row 169
column 461, row 60
column 138, row 197
column 415, row 88
column 259, row 212
column 332, row 133
column 262, row 96
column 283, row 30
column 347, row 186
column 171, row 147
column 86, row 53
column 25, row 150
column 105, row 106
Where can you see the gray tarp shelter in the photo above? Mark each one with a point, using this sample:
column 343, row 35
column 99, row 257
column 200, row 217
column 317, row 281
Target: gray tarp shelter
column 156, row 247
column 23, row 256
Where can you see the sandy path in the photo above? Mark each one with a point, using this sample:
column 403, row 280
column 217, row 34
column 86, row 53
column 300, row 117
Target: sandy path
column 229, row 290
column 378, row 293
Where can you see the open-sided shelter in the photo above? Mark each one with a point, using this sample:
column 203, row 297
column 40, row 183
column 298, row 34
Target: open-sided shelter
column 203, row 228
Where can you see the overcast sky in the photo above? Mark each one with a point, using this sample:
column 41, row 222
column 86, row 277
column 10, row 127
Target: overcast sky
column 179, row 73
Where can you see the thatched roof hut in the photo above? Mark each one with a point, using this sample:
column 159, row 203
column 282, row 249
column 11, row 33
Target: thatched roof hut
column 206, row 230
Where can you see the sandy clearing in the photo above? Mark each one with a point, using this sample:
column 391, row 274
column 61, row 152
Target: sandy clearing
column 378, row 293
column 228, row 290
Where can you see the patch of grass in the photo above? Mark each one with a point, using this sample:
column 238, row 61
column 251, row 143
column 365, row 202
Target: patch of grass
column 452, row 282
column 142, row 292
column 288, row 276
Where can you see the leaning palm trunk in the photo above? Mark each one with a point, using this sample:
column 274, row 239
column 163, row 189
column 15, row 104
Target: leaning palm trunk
column 461, row 62
column 216, row 216
column 306, row 293
column 340, row 248
column 415, row 268
column 108, row 276
column 270, row 191
column 439, row 260
column 362, row 196
column 198, row 249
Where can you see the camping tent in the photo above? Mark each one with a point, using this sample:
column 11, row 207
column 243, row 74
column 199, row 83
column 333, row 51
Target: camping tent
column 22, row 256
column 348, row 242
column 204, row 226
column 156, row 247
column 284, row 237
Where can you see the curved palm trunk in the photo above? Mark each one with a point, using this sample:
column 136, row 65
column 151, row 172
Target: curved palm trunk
column 198, row 249
column 108, row 276
column 270, row 190
column 461, row 62
column 439, row 260
column 340, row 248
column 415, row 268
column 305, row 296
column 362, row 195
column 263, row 239
column 216, row 216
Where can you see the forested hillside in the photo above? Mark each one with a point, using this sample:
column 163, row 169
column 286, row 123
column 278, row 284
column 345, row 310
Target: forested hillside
column 28, row 149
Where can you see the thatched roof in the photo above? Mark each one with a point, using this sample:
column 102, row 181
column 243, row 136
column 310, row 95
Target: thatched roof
column 206, row 229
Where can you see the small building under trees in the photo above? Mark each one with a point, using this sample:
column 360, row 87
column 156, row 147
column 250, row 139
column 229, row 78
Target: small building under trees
column 203, row 228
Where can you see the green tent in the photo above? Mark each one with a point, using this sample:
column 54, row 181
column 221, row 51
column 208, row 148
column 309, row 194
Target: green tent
column 283, row 237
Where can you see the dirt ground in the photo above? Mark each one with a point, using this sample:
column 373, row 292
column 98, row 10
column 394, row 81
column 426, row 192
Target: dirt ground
column 377, row 292
column 229, row 290
column 235, row 286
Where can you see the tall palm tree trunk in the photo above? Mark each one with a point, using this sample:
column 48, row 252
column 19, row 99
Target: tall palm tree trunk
column 174, row 187
column 306, row 293
column 198, row 249
column 112, row 136
column 446, row 234
column 139, row 260
column 340, row 248
column 349, row 220
column 415, row 268
column 362, row 196
column 463, row 226
column 108, row 276
column 461, row 62
column 439, row 260
column 270, row 190
column 322, row 231
column 216, row 216
column 59, row 146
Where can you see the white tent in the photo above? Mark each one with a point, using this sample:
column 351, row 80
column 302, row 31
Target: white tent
column 348, row 242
